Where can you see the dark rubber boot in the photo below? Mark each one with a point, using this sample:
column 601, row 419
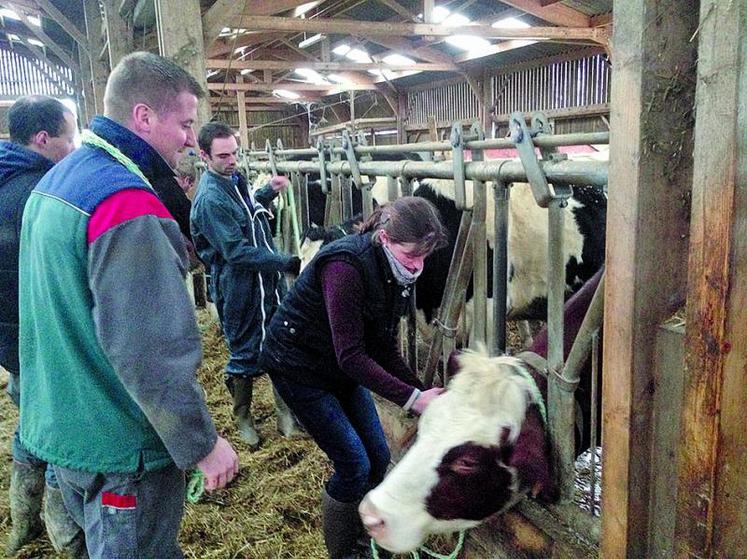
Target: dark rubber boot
column 241, row 391
column 26, row 491
column 342, row 528
column 66, row 536
column 287, row 422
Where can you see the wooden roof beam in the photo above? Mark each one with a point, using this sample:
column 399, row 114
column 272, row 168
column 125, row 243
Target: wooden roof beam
column 555, row 13
column 230, row 13
column 69, row 27
column 290, row 86
column 373, row 29
column 51, row 45
column 219, row 63
column 405, row 46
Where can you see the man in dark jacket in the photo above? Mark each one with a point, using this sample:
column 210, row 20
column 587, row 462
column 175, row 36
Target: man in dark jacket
column 41, row 134
column 232, row 237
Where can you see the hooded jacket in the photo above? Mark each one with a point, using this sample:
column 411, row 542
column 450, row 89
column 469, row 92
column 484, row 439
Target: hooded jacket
column 20, row 171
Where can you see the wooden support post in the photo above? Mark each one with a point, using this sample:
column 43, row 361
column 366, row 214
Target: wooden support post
column 118, row 32
column 241, row 110
column 99, row 71
column 180, row 39
column 647, row 225
column 712, row 489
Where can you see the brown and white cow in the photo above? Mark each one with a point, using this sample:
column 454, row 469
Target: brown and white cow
column 481, row 446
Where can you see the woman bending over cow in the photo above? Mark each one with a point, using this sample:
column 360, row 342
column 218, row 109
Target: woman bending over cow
column 334, row 339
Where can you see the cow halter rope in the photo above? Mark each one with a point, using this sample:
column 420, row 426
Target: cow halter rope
column 416, row 554
column 196, row 484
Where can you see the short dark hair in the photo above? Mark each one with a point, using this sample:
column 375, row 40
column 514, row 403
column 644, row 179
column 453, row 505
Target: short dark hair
column 144, row 77
column 211, row 131
column 409, row 219
column 33, row 114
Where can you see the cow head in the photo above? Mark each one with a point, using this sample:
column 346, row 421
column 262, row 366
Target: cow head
column 481, row 446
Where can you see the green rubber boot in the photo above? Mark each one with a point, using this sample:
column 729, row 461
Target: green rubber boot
column 66, row 536
column 26, row 492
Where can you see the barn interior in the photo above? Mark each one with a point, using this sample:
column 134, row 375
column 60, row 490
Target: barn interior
column 325, row 85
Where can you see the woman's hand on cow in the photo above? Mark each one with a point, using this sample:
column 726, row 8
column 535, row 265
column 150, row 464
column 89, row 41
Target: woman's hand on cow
column 220, row 466
column 425, row 398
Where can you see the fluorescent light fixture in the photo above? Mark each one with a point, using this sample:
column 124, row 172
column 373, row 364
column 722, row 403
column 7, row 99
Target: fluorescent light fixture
column 511, row 23
column 310, row 41
column 303, row 8
column 35, row 42
column 385, row 132
column 358, row 55
column 239, row 50
column 13, row 37
column 285, row 94
column 439, row 14
column 341, row 50
column 211, row 73
column 397, row 60
column 311, row 75
column 337, row 78
column 34, row 20
column 225, row 31
column 467, row 42
column 454, row 20
column 10, row 14
column 246, row 71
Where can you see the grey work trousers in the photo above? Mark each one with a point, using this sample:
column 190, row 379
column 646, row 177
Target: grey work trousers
column 126, row 516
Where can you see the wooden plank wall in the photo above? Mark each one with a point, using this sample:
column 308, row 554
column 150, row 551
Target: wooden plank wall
column 650, row 173
column 712, row 493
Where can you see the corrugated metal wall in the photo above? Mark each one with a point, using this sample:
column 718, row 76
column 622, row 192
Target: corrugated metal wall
column 560, row 85
column 21, row 76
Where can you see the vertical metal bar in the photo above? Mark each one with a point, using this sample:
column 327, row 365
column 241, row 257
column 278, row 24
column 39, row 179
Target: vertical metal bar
column 479, row 246
column 501, row 194
column 304, row 203
column 367, row 202
column 392, row 188
column 560, row 401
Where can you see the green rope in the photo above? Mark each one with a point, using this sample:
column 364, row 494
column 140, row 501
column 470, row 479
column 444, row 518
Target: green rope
column 88, row 137
column 195, row 486
column 416, row 554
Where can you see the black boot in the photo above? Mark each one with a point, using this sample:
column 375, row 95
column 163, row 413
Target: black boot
column 341, row 526
column 241, row 391
column 66, row 536
column 26, row 491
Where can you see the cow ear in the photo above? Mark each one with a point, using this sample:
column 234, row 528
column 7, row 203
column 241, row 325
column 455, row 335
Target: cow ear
column 452, row 365
column 531, row 458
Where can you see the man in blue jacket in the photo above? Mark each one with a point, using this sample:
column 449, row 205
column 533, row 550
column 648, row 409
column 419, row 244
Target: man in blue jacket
column 232, row 237
column 41, row 134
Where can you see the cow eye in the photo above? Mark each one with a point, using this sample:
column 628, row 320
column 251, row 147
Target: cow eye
column 464, row 465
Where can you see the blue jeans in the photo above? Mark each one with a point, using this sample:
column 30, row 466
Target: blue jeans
column 21, row 453
column 346, row 427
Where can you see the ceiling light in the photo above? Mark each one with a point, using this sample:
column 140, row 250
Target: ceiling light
column 455, row 20
column 341, row 50
column 35, row 42
column 211, row 73
column 34, row 20
column 311, row 75
column 388, row 74
column 397, row 60
column 246, row 71
column 225, row 31
column 303, row 8
column 10, row 14
column 438, row 14
column 13, row 37
column 239, row 50
column 358, row 55
column 310, row 41
column 511, row 23
column 467, row 42
column 285, row 94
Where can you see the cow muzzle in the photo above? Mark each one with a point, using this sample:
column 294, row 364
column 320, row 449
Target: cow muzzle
column 397, row 536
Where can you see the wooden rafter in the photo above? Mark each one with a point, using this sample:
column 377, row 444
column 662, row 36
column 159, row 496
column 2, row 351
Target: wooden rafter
column 219, row 63
column 387, row 29
column 50, row 44
column 69, row 27
column 290, row 86
column 555, row 13
column 239, row 13
column 403, row 45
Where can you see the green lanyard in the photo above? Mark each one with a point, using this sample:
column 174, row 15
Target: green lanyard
column 91, row 139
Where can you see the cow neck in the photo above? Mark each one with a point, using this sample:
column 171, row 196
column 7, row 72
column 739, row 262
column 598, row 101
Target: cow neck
column 92, row 139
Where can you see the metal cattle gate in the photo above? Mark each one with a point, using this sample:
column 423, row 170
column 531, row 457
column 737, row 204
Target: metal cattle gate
column 550, row 179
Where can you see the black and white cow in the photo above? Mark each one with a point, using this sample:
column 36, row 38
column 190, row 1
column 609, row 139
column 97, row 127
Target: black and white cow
column 481, row 447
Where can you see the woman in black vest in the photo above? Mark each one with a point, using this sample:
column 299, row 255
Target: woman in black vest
column 334, row 339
